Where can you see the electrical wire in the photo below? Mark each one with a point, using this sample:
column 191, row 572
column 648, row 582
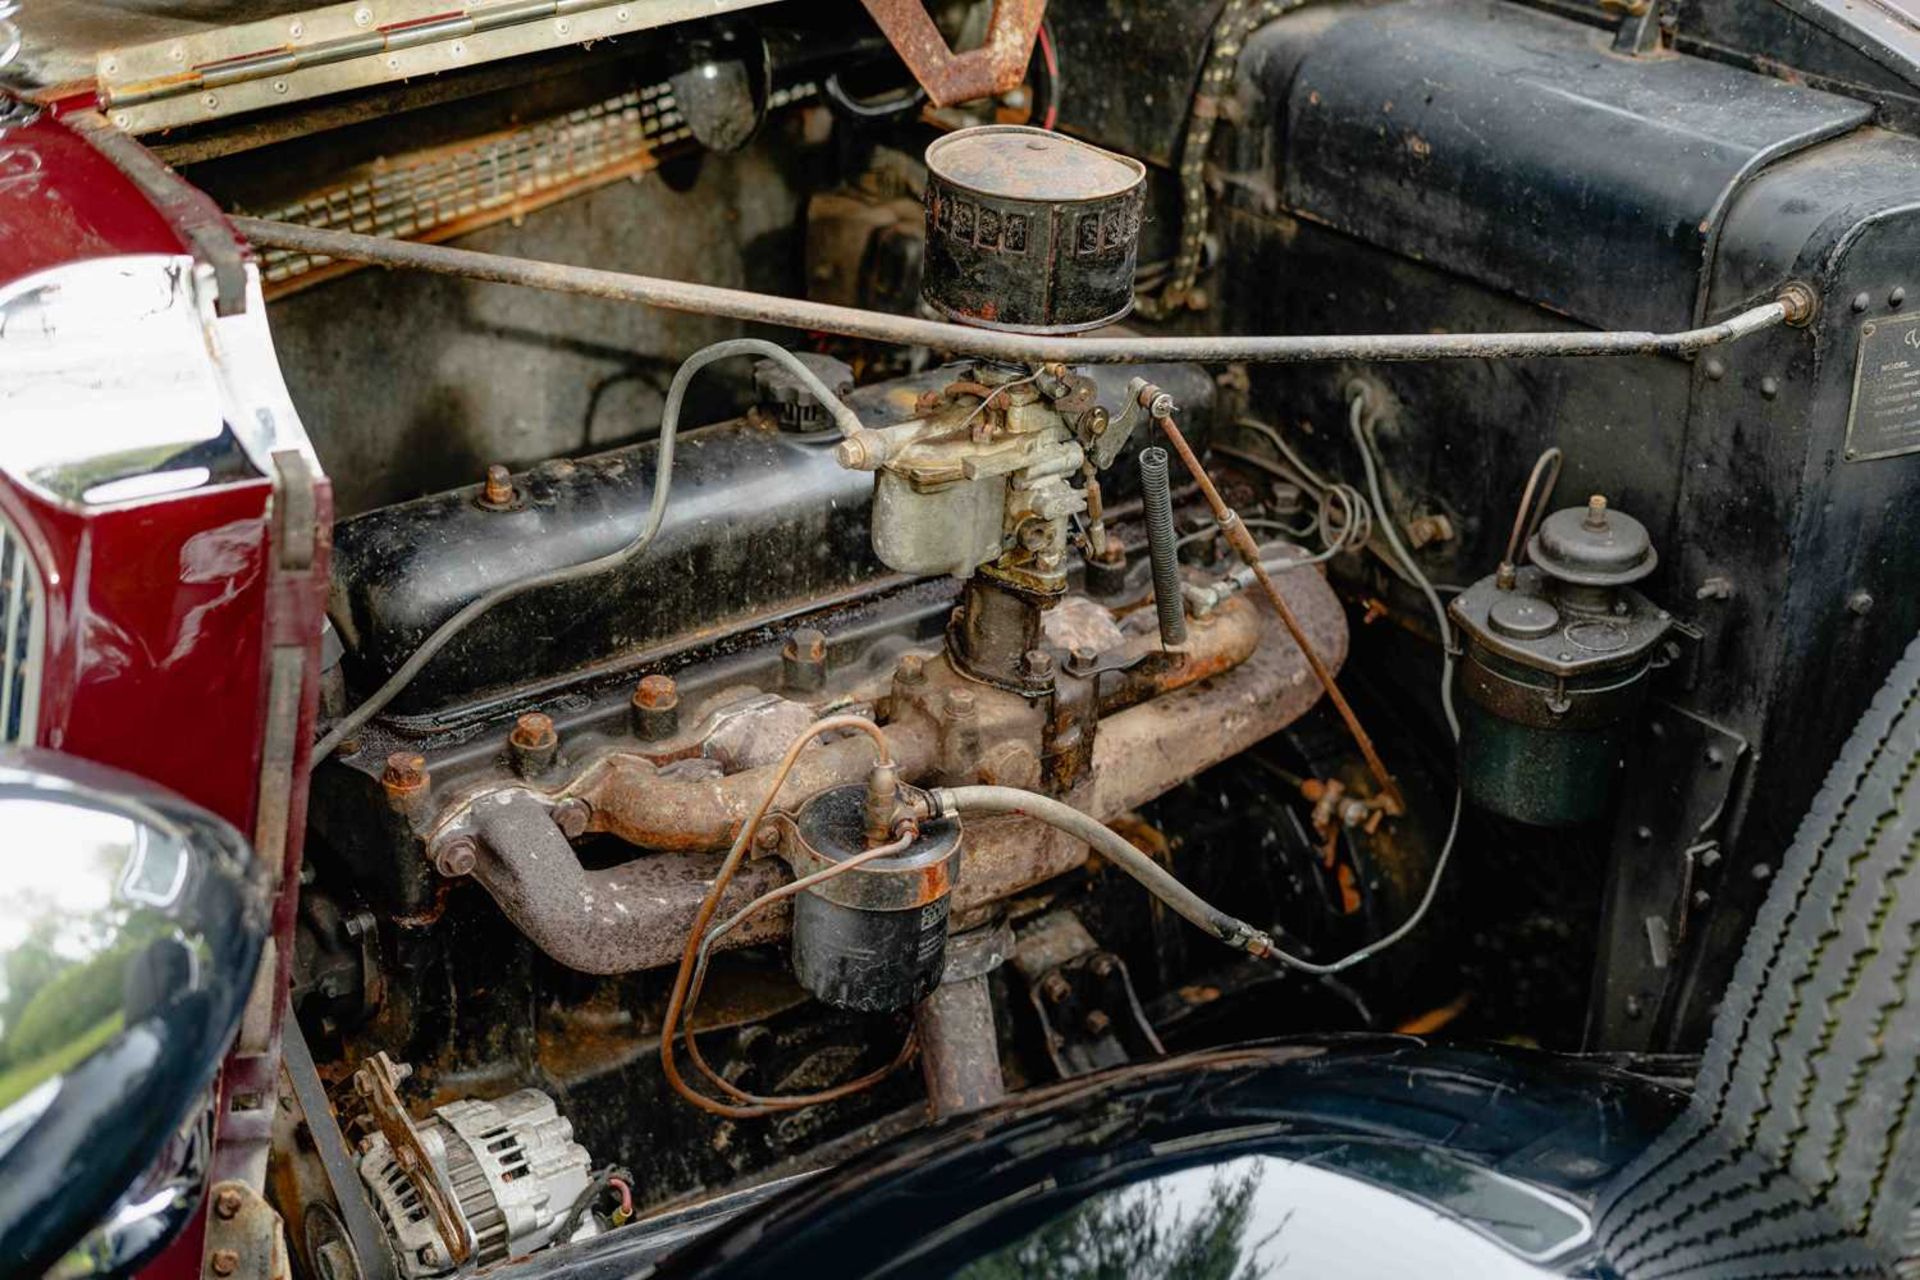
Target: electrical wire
column 679, row 1004
column 848, row 422
column 1523, row 527
column 1049, row 113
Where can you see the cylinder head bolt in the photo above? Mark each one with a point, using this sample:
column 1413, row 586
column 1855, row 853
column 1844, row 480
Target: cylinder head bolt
column 873, row 939
column 1556, row 666
column 1030, row 230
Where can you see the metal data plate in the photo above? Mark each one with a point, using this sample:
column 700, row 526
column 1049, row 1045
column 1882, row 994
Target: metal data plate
column 226, row 72
column 1884, row 419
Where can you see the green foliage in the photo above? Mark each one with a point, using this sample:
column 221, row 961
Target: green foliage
column 1134, row 1234
column 67, row 1005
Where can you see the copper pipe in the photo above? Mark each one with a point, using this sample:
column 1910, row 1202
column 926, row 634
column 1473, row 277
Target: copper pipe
column 1161, row 406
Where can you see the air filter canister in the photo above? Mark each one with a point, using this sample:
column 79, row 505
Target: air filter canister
column 1029, row 230
column 873, row 939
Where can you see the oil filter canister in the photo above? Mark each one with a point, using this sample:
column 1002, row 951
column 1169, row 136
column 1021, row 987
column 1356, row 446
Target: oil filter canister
column 1030, row 230
column 875, row 938
column 1555, row 668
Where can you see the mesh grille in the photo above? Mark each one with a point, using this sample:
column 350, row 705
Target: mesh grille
column 20, row 639
column 449, row 191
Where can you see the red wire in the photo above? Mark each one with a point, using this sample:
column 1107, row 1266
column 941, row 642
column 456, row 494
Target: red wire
column 1053, row 75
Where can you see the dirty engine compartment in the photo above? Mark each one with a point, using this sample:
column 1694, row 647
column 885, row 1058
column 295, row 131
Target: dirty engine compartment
column 1045, row 477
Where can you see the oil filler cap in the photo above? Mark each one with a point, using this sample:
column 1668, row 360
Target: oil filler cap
column 1593, row 546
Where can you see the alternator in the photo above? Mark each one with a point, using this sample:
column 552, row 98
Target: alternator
column 512, row 1171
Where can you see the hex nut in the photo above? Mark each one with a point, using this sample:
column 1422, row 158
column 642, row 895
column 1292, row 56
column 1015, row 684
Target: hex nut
column 803, row 660
column 533, row 744
column 456, row 857
column 571, row 816
column 656, row 708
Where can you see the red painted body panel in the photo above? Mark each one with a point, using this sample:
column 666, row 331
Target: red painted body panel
column 154, row 645
column 62, row 201
column 161, row 614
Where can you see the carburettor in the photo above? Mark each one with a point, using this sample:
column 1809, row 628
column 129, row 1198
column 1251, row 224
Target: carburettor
column 1035, row 233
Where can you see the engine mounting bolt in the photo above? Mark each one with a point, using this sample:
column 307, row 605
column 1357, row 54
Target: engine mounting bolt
column 1102, row 965
column 803, row 660
column 960, row 703
column 1037, row 665
column 456, row 857
column 911, row 670
column 228, row 1203
column 767, row 839
column 223, row 1262
column 1097, row 1022
column 533, row 743
column 656, row 708
column 498, row 494
column 571, row 816
column 1055, row 988
column 1081, row 660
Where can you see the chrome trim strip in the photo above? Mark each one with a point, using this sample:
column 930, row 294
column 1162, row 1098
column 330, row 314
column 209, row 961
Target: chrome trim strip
column 22, row 638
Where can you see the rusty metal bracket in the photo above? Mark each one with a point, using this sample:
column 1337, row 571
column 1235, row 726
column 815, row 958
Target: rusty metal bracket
column 377, row 1084
column 245, row 1237
column 999, row 64
column 1090, row 1019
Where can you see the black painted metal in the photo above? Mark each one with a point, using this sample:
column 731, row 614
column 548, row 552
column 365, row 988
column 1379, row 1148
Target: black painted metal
column 859, row 956
column 762, row 523
column 1783, row 556
column 1518, row 150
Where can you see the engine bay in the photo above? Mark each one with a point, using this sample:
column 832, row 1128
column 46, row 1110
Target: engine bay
column 856, row 596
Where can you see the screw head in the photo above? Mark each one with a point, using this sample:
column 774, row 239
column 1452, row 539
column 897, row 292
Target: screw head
column 228, row 1203
column 960, row 702
column 1860, row 603
column 1037, row 664
column 223, row 1262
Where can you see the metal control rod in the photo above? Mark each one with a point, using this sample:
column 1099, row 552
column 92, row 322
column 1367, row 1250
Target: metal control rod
column 1794, row 306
